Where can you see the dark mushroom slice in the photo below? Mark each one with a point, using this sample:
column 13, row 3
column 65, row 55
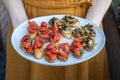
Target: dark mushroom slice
column 54, row 21
column 89, row 43
column 70, row 20
column 65, row 30
column 89, row 30
column 78, row 33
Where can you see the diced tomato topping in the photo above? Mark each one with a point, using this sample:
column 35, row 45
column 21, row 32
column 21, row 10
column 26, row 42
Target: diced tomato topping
column 42, row 29
column 55, row 51
column 30, row 30
column 66, row 46
column 51, row 55
column 38, row 43
column 43, row 24
column 76, row 51
column 26, row 44
column 77, row 46
column 55, row 29
column 55, row 36
column 33, row 24
column 24, row 37
column 46, row 36
column 62, row 53
column 50, row 46
column 78, row 40
column 30, row 49
column 51, row 51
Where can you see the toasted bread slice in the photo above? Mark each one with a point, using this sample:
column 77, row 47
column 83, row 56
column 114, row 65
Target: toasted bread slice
column 38, row 53
column 67, row 34
column 62, row 58
column 33, row 35
column 49, row 60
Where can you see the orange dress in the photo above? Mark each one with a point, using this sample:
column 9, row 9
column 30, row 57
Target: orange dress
column 19, row 68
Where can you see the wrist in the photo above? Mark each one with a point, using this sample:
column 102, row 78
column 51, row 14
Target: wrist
column 18, row 20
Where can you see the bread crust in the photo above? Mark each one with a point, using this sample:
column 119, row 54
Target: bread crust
column 62, row 58
column 49, row 60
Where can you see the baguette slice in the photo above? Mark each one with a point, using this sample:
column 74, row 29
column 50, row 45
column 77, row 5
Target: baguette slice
column 38, row 53
column 24, row 50
column 67, row 34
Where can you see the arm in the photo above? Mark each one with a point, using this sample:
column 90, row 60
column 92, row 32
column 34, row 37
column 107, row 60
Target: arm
column 98, row 10
column 16, row 11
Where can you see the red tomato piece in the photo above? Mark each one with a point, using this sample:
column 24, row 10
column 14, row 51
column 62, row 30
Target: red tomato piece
column 55, row 29
column 42, row 29
column 54, row 51
column 66, row 46
column 30, row 30
column 62, row 53
column 57, row 37
column 50, row 55
column 33, row 25
column 76, row 51
column 37, row 45
column 50, row 46
column 78, row 40
column 29, row 50
column 24, row 37
column 45, row 36
column 26, row 44
column 44, row 24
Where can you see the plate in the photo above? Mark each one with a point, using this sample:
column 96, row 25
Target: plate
column 21, row 30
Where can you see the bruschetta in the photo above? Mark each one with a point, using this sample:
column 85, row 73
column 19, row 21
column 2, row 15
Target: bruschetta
column 44, row 31
column 89, row 43
column 65, row 30
column 89, row 30
column 26, row 44
column 70, row 20
column 51, row 53
column 78, row 33
column 32, row 29
column 55, row 38
column 64, row 49
column 38, row 48
column 77, row 48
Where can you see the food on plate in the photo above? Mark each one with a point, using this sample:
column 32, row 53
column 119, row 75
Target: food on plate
column 26, row 44
column 32, row 29
column 89, row 43
column 89, row 30
column 55, row 37
column 51, row 52
column 65, row 30
column 64, row 49
column 77, row 48
column 78, row 33
column 54, row 28
column 68, row 26
column 43, row 31
column 54, row 21
column 38, row 48
column 70, row 20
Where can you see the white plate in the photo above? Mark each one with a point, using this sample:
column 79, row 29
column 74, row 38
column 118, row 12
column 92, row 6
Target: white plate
column 21, row 30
